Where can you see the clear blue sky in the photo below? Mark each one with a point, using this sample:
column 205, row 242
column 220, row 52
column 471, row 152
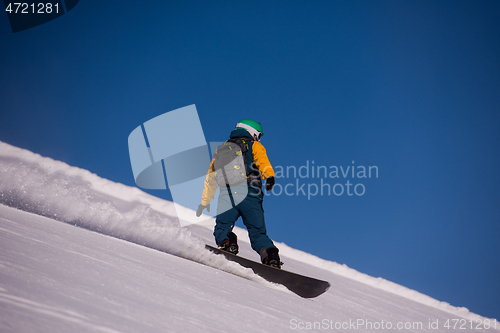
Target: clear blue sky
column 412, row 87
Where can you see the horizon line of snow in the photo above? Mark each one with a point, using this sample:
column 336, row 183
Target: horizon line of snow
column 54, row 189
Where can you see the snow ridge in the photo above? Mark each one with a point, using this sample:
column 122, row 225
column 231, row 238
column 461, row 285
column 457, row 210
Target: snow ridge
column 76, row 196
column 377, row 282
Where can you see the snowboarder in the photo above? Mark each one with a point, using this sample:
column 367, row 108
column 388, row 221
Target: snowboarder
column 247, row 135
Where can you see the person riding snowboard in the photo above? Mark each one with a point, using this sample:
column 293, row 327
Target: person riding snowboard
column 245, row 142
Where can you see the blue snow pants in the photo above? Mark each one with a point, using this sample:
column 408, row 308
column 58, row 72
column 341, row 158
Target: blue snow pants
column 251, row 211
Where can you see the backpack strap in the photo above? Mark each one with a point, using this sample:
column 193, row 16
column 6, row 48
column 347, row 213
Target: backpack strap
column 240, row 142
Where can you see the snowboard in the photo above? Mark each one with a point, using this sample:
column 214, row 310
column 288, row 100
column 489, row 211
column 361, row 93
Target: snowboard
column 304, row 286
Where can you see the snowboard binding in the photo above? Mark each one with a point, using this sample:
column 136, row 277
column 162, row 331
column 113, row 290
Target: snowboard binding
column 230, row 244
column 272, row 259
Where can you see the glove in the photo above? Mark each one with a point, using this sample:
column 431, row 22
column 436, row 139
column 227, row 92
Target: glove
column 200, row 209
column 269, row 183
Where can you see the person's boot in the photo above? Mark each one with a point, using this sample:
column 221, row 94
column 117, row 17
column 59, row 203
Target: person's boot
column 230, row 244
column 271, row 257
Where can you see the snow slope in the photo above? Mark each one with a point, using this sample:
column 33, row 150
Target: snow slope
column 55, row 277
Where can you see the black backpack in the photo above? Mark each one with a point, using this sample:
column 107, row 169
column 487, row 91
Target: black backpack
column 229, row 163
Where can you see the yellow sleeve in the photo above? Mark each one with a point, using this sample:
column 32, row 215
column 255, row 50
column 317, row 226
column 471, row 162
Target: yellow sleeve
column 210, row 186
column 261, row 160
